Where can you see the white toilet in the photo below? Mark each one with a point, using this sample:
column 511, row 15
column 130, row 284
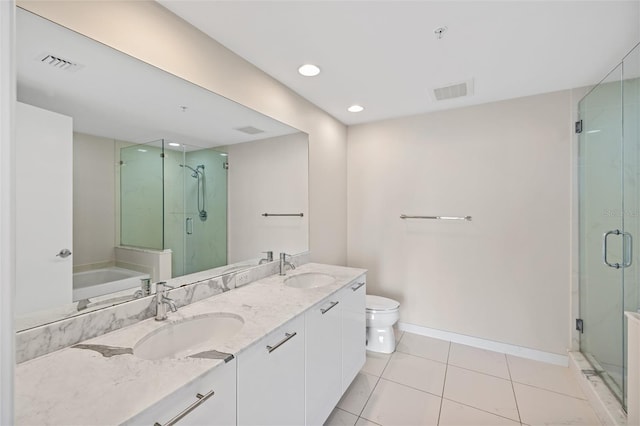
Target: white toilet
column 382, row 314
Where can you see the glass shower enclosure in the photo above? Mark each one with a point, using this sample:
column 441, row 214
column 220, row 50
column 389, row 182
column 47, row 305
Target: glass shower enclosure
column 174, row 196
column 609, row 219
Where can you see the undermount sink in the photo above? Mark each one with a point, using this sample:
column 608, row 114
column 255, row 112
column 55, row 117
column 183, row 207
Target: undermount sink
column 183, row 338
column 309, row 280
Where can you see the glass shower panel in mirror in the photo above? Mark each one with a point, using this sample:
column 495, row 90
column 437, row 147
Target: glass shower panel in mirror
column 141, row 196
column 176, row 200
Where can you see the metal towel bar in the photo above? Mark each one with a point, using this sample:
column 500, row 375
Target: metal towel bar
column 282, row 214
column 467, row 218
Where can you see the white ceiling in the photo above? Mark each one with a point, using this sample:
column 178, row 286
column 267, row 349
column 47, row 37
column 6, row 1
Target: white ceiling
column 116, row 96
column 385, row 56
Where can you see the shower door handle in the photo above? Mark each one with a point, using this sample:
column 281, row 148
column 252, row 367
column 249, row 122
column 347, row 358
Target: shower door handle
column 189, row 225
column 627, row 250
column 605, row 238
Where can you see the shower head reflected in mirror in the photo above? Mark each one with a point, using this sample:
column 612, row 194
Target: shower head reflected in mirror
column 197, row 171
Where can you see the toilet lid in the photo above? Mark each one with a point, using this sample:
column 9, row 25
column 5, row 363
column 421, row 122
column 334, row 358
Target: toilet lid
column 378, row 303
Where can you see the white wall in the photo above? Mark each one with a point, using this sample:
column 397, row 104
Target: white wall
column 164, row 40
column 93, row 199
column 505, row 275
column 7, row 216
column 268, row 176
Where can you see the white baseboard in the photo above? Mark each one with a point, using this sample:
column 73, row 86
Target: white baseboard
column 476, row 342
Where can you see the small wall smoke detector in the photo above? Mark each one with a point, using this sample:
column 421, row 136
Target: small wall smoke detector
column 250, row 130
column 452, row 91
column 58, row 62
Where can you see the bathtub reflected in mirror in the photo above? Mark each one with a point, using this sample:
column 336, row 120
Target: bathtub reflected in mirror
column 98, row 282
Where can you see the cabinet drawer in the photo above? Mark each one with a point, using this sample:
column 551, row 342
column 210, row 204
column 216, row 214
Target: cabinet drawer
column 216, row 407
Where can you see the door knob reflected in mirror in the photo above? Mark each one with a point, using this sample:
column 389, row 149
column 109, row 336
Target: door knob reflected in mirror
column 64, row 253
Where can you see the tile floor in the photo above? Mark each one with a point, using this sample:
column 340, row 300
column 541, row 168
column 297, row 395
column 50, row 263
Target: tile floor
column 435, row 382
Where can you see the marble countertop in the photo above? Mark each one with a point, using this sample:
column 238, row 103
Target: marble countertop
column 76, row 386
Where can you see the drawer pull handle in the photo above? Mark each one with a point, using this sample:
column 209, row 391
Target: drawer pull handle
column 325, row 310
column 180, row 416
column 357, row 286
column 287, row 336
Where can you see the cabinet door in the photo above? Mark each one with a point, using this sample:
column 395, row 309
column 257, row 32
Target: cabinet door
column 215, row 405
column 271, row 378
column 354, row 330
column 323, row 359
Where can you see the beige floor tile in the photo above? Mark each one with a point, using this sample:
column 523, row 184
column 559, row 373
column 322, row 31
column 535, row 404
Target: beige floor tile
column 365, row 422
column 426, row 347
column 483, row 361
column 544, row 375
column 487, row 393
column 340, row 417
column 358, row 393
column 392, row 404
column 454, row 414
column 416, row 372
column 542, row 407
column 375, row 363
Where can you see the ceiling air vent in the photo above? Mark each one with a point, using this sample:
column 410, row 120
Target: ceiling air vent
column 454, row 91
column 58, row 62
column 250, row 130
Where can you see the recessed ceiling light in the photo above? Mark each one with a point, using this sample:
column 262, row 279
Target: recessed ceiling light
column 224, row 154
column 142, row 150
column 309, row 70
column 355, row 108
column 174, row 144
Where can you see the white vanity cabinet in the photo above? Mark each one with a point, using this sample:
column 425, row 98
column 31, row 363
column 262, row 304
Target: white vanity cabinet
column 335, row 348
column 209, row 400
column 271, row 377
column 354, row 329
column 323, row 359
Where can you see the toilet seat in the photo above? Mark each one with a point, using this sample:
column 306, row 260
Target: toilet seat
column 380, row 304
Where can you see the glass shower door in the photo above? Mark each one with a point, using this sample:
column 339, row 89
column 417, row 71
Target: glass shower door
column 205, row 197
column 631, row 195
column 195, row 208
column 605, row 240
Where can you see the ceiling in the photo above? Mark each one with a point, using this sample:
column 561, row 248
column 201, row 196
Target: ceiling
column 116, row 96
column 385, row 56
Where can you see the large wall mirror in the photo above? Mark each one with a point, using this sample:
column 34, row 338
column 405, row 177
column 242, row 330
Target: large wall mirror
column 125, row 173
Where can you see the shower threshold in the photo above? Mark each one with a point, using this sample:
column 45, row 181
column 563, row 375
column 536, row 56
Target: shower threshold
column 597, row 385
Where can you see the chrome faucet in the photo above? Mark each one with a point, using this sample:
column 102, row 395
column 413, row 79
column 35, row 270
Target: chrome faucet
column 284, row 263
column 161, row 300
column 268, row 259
